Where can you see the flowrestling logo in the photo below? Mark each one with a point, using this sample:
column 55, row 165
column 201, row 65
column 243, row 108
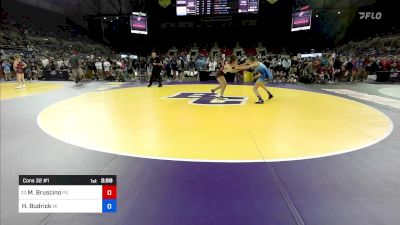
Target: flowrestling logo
column 370, row 15
column 208, row 99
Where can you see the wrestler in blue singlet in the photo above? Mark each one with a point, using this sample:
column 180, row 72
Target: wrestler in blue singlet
column 264, row 71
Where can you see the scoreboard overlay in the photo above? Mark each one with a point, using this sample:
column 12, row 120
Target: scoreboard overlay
column 67, row 194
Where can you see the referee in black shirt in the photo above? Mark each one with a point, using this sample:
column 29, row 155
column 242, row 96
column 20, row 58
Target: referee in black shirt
column 155, row 72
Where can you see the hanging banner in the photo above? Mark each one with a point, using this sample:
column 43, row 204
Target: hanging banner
column 164, row 3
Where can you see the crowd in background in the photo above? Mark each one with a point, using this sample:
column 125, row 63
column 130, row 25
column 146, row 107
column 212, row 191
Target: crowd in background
column 330, row 67
column 352, row 62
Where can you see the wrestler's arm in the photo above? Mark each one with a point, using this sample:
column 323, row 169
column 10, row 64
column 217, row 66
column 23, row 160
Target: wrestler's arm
column 248, row 66
column 242, row 67
column 257, row 76
column 229, row 69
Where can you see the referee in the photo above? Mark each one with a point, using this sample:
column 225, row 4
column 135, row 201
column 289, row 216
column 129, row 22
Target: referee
column 156, row 71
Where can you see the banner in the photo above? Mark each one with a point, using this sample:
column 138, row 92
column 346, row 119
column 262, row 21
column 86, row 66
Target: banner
column 164, row 3
column 272, row 1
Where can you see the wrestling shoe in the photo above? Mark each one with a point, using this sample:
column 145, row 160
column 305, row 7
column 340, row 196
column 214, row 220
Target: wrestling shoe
column 221, row 98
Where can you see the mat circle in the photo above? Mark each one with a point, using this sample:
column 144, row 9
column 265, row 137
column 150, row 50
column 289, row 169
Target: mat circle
column 153, row 123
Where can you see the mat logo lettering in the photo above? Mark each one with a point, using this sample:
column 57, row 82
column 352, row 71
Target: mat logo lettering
column 208, row 99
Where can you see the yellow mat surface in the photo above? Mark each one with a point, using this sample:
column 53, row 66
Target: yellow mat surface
column 8, row 90
column 144, row 122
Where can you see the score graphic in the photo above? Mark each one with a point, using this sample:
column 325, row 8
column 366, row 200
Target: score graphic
column 109, row 198
column 67, row 194
column 221, row 7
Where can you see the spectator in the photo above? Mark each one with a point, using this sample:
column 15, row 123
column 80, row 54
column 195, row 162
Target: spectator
column 308, row 73
column 107, row 69
column 191, row 68
column 45, row 63
column 130, row 70
column 143, row 69
column 168, row 69
column 181, row 67
column 212, row 65
column 337, row 65
column 99, row 69
column 293, row 74
column 362, row 74
column 348, row 69
column 7, row 70
column 90, row 73
column 354, row 73
column 174, row 68
column 28, row 72
column 286, row 64
column 35, row 72
column 19, row 67
column 75, row 63
column 326, row 72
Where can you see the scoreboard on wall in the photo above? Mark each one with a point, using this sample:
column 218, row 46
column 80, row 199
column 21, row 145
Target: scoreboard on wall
column 301, row 20
column 138, row 23
column 215, row 7
column 67, row 194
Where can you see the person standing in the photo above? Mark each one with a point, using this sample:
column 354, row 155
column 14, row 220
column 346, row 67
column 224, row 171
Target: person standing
column 262, row 75
column 174, row 67
column 99, row 69
column 230, row 67
column 107, row 70
column 181, row 66
column 143, row 69
column 19, row 66
column 157, row 67
column 130, row 69
column 349, row 69
column 192, row 66
column 337, row 66
column 28, row 71
column 286, row 64
column 7, row 70
column 213, row 65
column 34, row 68
column 75, row 63
column 168, row 69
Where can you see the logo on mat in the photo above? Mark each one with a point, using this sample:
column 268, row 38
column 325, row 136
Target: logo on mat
column 208, row 99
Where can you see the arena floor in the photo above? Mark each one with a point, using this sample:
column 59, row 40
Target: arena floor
column 313, row 155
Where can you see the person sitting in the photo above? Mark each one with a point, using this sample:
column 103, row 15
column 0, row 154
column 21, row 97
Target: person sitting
column 362, row 74
column 336, row 73
column 293, row 74
column 308, row 73
column 349, row 70
column 326, row 73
